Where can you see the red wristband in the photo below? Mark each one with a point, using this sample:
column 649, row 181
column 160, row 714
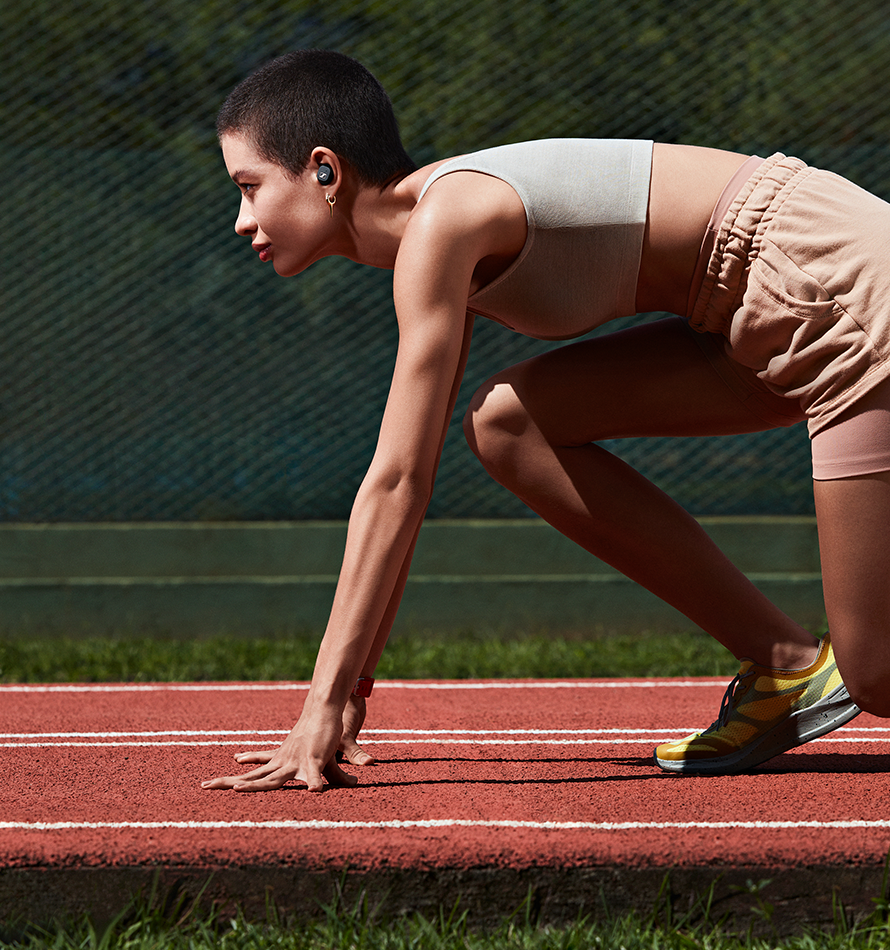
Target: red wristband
column 363, row 686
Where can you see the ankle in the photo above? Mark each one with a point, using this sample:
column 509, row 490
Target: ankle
column 793, row 656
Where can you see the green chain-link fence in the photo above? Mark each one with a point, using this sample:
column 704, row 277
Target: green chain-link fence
column 152, row 370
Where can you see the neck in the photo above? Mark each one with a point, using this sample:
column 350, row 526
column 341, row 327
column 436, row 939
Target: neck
column 373, row 223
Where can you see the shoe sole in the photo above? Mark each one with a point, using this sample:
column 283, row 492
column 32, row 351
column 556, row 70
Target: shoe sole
column 830, row 713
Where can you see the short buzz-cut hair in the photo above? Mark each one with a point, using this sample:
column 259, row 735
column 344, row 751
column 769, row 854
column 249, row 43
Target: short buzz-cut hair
column 317, row 97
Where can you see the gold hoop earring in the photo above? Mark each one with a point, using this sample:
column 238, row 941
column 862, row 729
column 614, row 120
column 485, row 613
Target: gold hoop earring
column 331, row 200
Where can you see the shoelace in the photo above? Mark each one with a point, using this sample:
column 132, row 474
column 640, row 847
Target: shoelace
column 727, row 703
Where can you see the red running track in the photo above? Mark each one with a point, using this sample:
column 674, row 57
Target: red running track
column 513, row 774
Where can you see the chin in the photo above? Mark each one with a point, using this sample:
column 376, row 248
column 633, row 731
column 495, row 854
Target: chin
column 289, row 270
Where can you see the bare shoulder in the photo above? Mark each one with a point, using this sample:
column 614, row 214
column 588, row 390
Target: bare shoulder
column 466, row 220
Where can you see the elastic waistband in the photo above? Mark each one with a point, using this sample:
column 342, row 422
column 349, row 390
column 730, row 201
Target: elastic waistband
column 723, row 278
column 724, row 203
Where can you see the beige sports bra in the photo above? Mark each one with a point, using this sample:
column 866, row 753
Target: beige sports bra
column 586, row 202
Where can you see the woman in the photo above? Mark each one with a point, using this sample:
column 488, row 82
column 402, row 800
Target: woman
column 775, row 265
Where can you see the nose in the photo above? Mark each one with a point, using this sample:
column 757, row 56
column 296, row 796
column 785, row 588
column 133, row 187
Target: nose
column 244, row 223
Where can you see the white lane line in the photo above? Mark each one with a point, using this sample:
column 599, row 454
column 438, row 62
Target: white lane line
column 416, row 743
column 366, row 733
column 381, row 684
column 321, row 825
column 142, row 734
column 639, row 738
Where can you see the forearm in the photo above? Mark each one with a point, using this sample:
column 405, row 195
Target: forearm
column 383, row 531
column 386, row 518
column 389, row 615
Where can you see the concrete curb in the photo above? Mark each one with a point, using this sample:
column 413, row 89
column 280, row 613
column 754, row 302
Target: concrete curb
column 263, row 577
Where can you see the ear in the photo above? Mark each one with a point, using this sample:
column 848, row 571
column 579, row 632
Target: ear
column 325, row 156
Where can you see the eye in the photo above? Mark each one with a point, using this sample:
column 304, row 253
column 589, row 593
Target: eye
column 246, row 187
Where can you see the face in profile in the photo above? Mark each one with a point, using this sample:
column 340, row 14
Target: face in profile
column 287, row 219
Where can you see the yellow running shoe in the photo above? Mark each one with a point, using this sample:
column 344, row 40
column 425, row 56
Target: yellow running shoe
column 764, row 713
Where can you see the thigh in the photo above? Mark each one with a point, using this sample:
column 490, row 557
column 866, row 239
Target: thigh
column 650, row 380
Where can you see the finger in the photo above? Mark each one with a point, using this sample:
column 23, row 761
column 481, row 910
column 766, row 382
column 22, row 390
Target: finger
column 336, row 777
column 224, row 781
column 356, row 755
column 230, row 781
column 261, row 758
column 268, row 784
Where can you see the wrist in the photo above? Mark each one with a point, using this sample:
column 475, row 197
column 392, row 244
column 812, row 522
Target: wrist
column 363, row 686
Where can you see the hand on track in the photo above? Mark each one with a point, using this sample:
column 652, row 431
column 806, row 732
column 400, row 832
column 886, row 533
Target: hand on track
column 303, row 756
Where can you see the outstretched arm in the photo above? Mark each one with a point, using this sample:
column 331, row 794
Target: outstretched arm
column 383, row 530
column 441, row 248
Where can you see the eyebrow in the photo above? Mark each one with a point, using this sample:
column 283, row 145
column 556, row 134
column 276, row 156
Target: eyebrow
column 243, row 175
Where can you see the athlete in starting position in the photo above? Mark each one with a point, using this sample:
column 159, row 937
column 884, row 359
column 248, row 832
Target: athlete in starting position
column 778, row 274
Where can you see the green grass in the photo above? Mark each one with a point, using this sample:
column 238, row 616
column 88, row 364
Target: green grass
column 363, row 928
column 122, row 658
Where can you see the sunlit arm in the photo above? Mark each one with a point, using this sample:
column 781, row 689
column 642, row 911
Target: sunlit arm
column 432, row 277
column 389, row 508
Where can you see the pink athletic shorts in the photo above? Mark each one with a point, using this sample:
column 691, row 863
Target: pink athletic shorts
column 791, row 304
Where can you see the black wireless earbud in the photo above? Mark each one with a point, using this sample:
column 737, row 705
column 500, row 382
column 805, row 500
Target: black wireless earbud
column 325, row 174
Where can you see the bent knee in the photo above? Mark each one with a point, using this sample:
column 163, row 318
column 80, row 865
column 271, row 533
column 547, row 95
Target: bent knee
column 870, row 697
column 494, row 414
column 866, row 673
column 868, row 689
column 496, row 423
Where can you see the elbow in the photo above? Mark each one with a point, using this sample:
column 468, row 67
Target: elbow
column 407, row 492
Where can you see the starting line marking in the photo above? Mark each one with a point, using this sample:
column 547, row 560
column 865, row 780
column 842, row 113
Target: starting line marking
column 380, row 684
column 322, row 825
column 365, row 732
column 416, row 733
column 442, row 742
column 436, row 742
column 435, row 737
